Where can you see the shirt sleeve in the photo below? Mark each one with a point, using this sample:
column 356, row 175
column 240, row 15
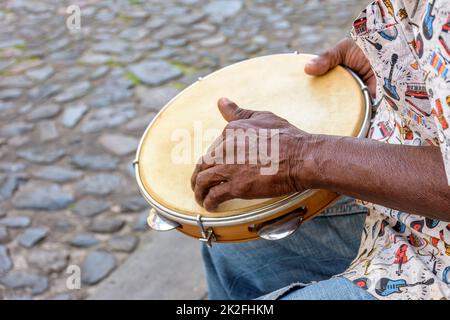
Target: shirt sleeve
column 434, row 33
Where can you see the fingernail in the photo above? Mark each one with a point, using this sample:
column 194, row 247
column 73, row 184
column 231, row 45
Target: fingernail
column 312, row 62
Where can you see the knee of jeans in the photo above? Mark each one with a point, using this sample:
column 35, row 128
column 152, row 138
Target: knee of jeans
column 220, row 256
column 208, row 260
column 231, row 260
column 229, row 251
column 336, row 288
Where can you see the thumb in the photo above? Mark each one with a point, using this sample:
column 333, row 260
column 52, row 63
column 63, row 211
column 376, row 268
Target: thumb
column 231, row 112
column 327, row 60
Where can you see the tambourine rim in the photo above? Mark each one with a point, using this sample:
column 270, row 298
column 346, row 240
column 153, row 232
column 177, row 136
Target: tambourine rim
column 256, row 214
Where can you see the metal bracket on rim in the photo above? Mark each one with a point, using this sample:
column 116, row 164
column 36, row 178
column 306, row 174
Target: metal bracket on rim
column 208, row 235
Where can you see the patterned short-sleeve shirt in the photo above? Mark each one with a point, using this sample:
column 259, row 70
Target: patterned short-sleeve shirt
column 407, row 42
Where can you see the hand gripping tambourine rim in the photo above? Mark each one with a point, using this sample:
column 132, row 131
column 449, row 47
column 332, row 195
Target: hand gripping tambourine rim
column 171, row 219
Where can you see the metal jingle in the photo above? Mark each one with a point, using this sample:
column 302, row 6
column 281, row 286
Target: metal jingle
column 158, row 223
column 281, row 228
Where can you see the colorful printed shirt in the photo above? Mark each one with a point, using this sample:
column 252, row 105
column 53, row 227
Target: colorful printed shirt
column 407, row 42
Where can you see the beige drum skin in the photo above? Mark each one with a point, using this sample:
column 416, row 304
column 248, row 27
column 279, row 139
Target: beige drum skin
column 334, row 104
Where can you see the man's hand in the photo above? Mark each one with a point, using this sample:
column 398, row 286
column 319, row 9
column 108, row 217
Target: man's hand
column 361, row 168
column 348, row 54
column 214, row 183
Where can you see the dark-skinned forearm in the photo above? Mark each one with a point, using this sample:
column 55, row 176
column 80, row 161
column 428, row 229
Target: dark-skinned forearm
column 406, row 178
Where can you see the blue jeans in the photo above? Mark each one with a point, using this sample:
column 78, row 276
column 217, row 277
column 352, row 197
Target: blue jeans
column 322, row 247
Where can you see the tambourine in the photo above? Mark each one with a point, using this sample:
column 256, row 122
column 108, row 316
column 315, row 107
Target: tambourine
column 337, row 103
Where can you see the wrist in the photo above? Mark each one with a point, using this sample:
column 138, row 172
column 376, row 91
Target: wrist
column 310, row 152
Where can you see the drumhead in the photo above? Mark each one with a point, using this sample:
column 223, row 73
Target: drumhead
column 332, row 104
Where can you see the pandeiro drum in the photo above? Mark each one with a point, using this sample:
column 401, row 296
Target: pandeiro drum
column 337, row 103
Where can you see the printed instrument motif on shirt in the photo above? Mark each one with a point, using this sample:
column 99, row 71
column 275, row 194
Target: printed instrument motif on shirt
column 404, row 256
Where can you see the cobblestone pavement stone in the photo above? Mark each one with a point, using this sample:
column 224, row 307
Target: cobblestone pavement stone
column 74, row 104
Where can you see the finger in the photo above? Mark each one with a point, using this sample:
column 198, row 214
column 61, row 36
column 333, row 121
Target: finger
column 328, row 59
column 208, row 160
column 231, row 112
column 205, row 181
column 201, row 166
column 372, row 85
column 217, row 195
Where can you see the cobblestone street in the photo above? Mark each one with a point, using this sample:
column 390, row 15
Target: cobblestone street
column 73, row 105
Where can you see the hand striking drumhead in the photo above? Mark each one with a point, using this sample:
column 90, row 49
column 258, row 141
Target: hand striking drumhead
column 331, row 104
